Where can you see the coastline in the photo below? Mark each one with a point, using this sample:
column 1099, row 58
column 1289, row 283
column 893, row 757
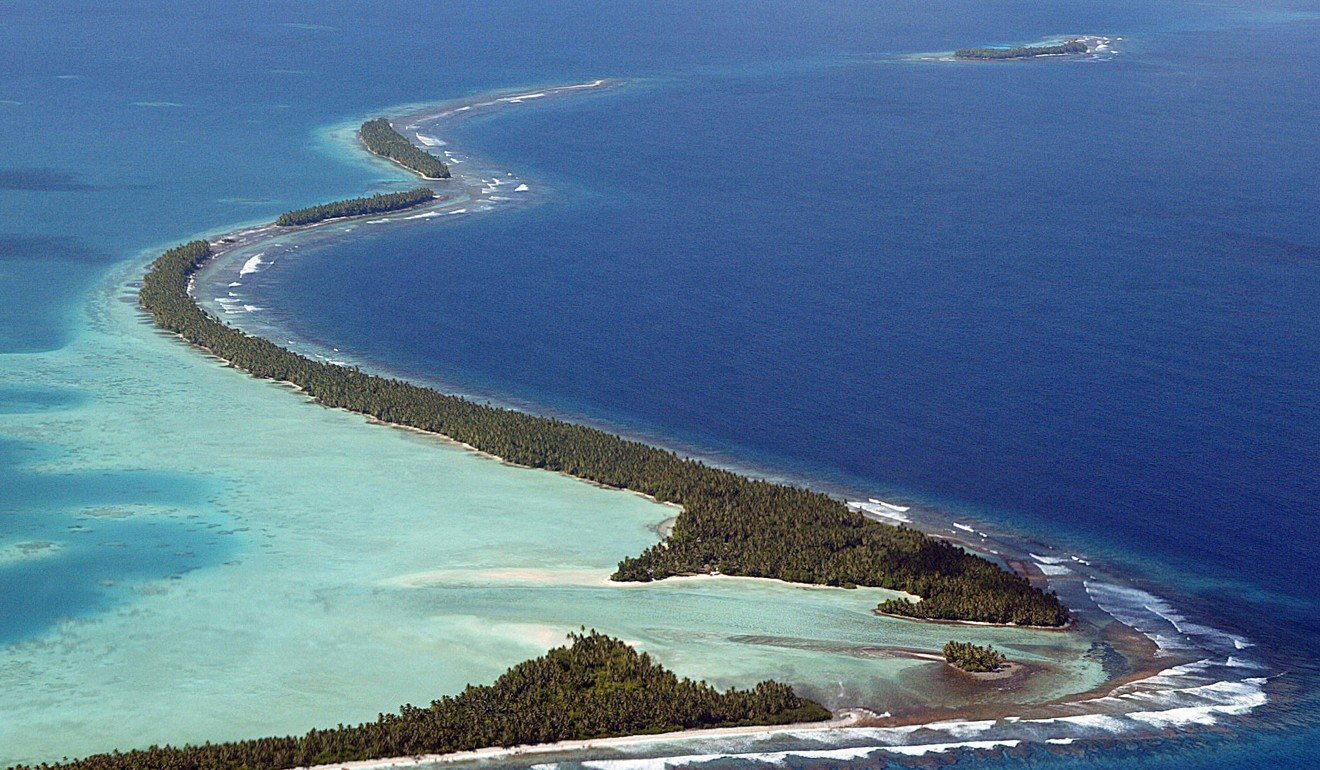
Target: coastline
column 1096, row 46
column 1070, row 625
column 246, row 238
column 255, row 236
column 848, row 719
column 415, row 172
column 229, row 248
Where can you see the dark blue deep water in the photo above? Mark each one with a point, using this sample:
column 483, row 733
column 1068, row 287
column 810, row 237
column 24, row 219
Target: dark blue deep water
column 1074, row 298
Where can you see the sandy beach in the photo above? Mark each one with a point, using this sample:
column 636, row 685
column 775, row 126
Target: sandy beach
column 850, row 718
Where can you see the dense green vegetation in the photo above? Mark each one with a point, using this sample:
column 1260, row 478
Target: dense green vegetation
column 1025, row 52
column 595, row 687
column 730, row 524
column 381, row 138
column 356, row 207
column 972, row 657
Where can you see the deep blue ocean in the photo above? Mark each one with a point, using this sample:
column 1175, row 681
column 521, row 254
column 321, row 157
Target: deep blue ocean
column 1073, row 298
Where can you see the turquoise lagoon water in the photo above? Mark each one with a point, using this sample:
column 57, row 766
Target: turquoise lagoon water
column 186, row 554
column 297, row 567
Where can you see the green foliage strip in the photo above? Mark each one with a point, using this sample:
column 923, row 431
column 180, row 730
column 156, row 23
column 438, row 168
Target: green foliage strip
column 973, row 657
column 381, row 138
column 356, row 207
column 1024, row 52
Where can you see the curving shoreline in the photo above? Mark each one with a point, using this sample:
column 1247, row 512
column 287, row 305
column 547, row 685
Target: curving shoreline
column 251, row 237
column 763, row 526
column 847, row 718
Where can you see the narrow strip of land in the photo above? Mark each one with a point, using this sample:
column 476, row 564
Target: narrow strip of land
column 379, row 203
column 1023, row 52
column 730, row 524
column 380, row 138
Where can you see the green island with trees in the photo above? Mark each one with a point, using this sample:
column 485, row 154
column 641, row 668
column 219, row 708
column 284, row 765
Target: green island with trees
column 595, row 687
column 356, row 207
column 730, row 524
column 381, row 139
column 1023, row 52
column 974, row 658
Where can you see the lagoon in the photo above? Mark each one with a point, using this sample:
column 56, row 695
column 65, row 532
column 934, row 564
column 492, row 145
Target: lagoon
column 266, row 565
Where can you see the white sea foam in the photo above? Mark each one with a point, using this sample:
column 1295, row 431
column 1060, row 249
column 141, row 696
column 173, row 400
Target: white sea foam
column 430, row 141
column 520, row 97
column 1198, row 702
column 850, row 753
column 940, row 748
column 961, row 729
column 963, row 527
column 251, row 266
column 1106, row 723
column 1224, row 699
column 1186, row 627
column 1051, row 565
column 521, row 188
column 880, row 509
column 458, row 211
column 1143, row 611
column 657, row 763
column 251, row 308
column 235, row 283
column 426, row 215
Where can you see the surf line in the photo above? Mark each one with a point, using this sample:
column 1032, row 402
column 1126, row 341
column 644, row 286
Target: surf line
column 242, row 242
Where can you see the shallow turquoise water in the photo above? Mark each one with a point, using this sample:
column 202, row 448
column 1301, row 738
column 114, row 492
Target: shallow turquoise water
column 297, row 567
column 186, row 554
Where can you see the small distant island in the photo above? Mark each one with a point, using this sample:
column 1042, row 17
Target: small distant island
column 1023, row 52
column 974, row 658
column 356, row 207
column 379, row 137
column 595, row 687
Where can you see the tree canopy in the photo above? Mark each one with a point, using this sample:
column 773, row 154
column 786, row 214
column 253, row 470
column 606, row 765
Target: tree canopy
column 1022, row 52
column 380, row 138
column 973, row 657
column 354, row 207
